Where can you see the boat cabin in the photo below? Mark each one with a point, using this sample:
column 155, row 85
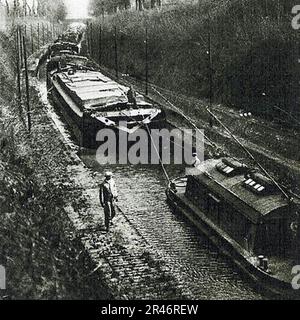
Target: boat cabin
column 245, row 205
column 94, row 91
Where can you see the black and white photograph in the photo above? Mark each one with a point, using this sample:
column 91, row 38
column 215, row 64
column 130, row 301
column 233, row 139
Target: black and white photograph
column 149, row 151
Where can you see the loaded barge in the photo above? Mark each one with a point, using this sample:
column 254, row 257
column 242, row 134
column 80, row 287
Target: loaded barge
column 94, row 102
column 243, row 213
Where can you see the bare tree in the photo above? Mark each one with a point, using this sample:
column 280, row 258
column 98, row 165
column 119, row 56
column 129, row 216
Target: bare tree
column 7, row 8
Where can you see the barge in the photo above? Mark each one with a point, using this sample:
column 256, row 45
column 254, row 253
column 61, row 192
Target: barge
column 94, row 102
column 243, row 214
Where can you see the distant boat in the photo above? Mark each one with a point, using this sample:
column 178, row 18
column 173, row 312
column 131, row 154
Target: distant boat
column 95, row 101
column 245, row 216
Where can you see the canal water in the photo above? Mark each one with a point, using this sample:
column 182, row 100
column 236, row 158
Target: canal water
column 191, row 258
column 188, row 254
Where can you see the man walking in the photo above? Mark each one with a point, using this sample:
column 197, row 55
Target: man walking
column 108, row 195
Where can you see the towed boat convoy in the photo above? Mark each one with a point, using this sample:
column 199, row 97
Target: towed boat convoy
column 246, row 217
column 240, row 210
column 94, row 101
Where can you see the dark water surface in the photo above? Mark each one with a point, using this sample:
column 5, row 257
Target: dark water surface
column 205, row 272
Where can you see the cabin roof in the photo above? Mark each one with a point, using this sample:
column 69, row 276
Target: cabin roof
column 95, row 89
column 234, row 191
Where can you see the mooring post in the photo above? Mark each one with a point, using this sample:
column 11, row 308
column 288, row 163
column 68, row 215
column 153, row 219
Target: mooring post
column 82, row 133
column 27, row 86
column 147, row 63
column 116, row 54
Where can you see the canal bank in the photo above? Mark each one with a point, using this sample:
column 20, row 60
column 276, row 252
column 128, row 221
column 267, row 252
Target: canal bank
column 39, row 249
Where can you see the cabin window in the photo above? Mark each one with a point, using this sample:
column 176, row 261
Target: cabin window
column 225, row 168
column 253, row 185
column 231, row 167
column 258, row 183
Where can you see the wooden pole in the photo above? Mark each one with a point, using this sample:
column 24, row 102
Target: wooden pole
column 27, row 86
column 38, row 35
column 47, row 33
column 32, row 41
column 53, row 30
column 116, row 54
column 91, row 40
column 43, row 29
column 87, row 38
column 18, row 67
column 210, row 65
column 100, row 44
column 147, row 63
column 82, row 133
column 21, row 47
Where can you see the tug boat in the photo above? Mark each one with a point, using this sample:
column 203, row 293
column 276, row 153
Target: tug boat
column 245, row 215
column 93, row 101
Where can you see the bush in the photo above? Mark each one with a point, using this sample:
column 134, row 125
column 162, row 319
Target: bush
column 253, row 50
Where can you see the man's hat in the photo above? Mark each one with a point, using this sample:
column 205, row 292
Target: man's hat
column 108, row 174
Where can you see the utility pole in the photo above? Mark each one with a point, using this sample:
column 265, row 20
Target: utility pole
column 27, row 86
column 38, row 36
column 91, row 40
column 147, row 63
column 43, row 28
column 31, row 35
column 18, row 67
column 210, row 63
column 21, row 46
column 87, row 38
column 47, row 32
column 53, row 30
column 100, row 45
column 116, row 54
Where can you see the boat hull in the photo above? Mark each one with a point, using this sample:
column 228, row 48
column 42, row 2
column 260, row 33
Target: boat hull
column 85, row 127
column 263, row 280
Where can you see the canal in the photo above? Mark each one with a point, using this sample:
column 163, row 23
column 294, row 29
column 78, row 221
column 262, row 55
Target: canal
column 187, row 253
column 191, row 258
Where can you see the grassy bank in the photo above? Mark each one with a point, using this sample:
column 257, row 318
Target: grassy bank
column 43, row 256
column 253, row 51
